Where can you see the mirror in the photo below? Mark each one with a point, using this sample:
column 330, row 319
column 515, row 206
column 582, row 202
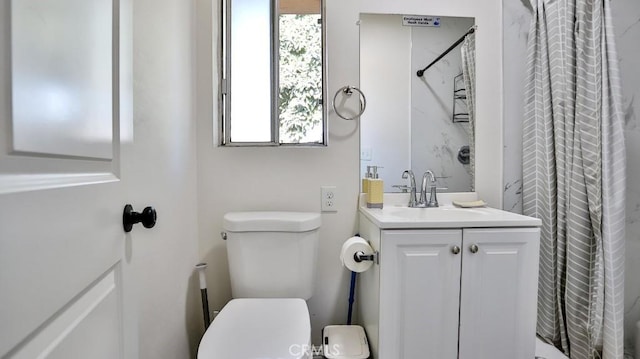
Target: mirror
column 413, row 122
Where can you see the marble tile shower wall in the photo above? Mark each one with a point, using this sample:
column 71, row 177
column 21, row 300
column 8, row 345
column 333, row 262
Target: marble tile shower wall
column 626, row 18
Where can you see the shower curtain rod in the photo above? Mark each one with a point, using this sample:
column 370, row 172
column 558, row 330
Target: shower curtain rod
column 471, row 30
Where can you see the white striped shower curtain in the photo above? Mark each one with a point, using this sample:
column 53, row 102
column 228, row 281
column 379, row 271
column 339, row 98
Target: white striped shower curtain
column 574, row 177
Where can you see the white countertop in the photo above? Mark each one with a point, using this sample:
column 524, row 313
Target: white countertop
column 396, row 214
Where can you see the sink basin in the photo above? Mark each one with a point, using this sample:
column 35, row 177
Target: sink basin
column 396, row 214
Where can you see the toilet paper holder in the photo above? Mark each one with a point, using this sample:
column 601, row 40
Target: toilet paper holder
column 360, row 257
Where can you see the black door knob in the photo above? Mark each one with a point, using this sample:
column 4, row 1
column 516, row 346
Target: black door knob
column 130, row 217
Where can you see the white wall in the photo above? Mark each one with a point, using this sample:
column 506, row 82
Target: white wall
column 163, row 161
column 626, row 21
column 516, row 20
column 385, row 60
column 236, row 179
column 233, row 179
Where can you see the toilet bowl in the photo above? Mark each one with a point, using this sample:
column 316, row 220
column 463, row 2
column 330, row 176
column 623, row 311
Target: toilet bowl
column 259, row 328
column 272, row 261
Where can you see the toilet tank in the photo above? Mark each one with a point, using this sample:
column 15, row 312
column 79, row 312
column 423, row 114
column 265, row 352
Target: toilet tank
column 272, row 254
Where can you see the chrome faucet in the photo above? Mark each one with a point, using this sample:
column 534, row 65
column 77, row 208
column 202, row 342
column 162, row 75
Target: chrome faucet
column 413, row 202
column 426, row 178
column 433, row 199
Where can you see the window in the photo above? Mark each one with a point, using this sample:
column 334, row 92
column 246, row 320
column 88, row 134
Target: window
column 273, row 61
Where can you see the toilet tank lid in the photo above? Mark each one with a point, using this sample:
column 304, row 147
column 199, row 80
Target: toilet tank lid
column 271, row 221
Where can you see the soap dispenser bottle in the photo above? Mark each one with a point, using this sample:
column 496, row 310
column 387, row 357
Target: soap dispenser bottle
column 365, row 180
column 376, row 190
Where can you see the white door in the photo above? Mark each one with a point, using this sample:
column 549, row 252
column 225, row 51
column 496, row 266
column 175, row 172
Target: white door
column 499, row 290
column 65, row 106
column 419, row 291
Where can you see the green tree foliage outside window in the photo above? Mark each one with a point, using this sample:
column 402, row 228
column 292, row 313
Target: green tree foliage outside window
column 300, row 100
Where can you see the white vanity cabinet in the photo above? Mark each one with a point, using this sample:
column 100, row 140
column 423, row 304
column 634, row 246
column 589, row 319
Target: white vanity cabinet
column 419, row 292
column 446, row 293
column 499, row 291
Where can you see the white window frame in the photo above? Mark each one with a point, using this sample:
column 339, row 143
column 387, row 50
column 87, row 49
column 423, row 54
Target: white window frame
column 224, row 90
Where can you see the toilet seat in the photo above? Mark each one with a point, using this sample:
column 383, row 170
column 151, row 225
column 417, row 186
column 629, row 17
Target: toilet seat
column 259, row 328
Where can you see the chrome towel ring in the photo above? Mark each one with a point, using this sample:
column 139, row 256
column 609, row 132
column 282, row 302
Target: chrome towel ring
column 348, row 91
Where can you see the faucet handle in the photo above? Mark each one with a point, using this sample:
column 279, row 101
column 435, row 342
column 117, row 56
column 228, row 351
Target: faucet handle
column 403, row 188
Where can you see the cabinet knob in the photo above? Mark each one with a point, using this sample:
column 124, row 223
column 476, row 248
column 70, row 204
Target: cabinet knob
column 455, row 249
column 473, row 248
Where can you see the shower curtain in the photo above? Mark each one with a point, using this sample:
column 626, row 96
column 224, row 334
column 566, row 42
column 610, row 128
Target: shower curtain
column 574, row 178
column 468, row 51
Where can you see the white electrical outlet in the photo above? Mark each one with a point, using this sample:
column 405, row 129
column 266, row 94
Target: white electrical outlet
column 328, row 199
column 365, row 154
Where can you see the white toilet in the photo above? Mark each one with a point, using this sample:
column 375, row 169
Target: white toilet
column 272, row 261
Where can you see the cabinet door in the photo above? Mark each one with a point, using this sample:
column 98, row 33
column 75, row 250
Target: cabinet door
column 419, row 293
column 499, row 290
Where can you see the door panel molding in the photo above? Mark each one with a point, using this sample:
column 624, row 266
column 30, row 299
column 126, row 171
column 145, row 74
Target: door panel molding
column 27, row 170
column 99, row 301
